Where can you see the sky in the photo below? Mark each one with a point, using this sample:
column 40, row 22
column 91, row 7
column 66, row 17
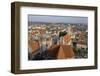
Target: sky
column 57, row 19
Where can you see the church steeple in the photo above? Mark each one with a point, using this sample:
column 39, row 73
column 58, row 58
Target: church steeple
column 69, row 29
column 68, row 37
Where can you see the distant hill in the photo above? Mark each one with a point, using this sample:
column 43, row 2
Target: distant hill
column 30, row 23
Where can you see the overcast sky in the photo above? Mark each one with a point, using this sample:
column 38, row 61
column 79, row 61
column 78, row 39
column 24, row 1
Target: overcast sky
column 57, row 19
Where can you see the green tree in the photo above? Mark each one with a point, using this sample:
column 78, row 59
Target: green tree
column 62, row 33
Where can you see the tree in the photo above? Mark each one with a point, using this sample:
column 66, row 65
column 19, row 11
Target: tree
column 62, row 33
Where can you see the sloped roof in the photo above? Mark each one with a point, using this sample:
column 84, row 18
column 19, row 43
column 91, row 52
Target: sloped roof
column 65, row 51
column 61, row 52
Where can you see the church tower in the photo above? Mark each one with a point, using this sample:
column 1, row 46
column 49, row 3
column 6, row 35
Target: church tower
column 69, row 33
column 69, row 29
